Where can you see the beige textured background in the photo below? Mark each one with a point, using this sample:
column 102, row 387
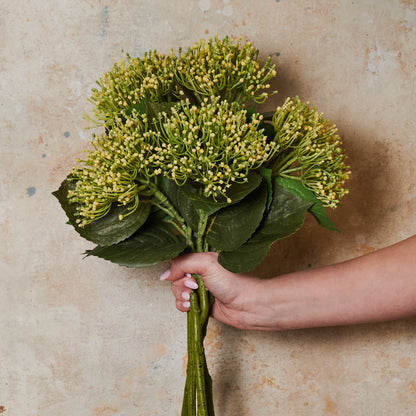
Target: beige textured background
column 86, row 337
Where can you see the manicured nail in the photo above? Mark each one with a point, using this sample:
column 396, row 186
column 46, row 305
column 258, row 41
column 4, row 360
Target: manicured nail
column 191, row 284
column 188, row 275
column 186, row 304
column 185, row 296
column 165, row 274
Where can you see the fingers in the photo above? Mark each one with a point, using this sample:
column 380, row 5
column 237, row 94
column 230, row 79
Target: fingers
column 197, row 263
column 181, row 289
column 183, row 306
column 179, row 274
column 183, row 285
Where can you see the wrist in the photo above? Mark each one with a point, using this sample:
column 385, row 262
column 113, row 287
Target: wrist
column 263, row 307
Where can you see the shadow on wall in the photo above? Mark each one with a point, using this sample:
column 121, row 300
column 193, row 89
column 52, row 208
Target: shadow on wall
column 229, row 375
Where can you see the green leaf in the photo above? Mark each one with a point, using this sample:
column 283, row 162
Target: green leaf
column 154, row 109
column 109, row 229
column 264, row 124
column 140, row 107
column 285, row 216
column 236, row 192
column 250, row 111
column 156, row 241
column 245, row 258
column 181, row 203
column 233, row 226
column 317, row 209
column 268, row 130
column 267, row 176
column 151, row 109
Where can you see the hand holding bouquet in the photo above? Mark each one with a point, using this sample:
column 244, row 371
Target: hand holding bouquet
column 184, row 163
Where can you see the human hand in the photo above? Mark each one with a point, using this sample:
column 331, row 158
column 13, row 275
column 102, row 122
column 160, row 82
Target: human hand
column 379, row 286
column 236, row 295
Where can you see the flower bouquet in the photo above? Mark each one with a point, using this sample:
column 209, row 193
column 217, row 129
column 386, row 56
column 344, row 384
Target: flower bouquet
column 184, row 162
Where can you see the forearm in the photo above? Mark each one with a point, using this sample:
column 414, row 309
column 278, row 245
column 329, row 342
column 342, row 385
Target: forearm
column 377, row 287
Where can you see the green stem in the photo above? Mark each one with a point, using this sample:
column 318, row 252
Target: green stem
column 202, row 225
column 203, row 300
column 285, row 163
column 208, row 390
column 188, row 406
column 297, row 178
column 198, row 350
column 198, row 387
column 169, row 209
column 296, row 169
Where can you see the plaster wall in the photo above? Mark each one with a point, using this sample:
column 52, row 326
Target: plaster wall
column 86, row 337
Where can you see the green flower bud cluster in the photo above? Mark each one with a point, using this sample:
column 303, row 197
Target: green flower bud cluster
column 213, row 144
column 132, row 79
column 224, row 68
column 111, row 173
column 311, row 150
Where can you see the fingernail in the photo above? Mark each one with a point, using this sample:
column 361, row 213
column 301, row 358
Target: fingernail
column 186, row 304
column 191, row 284
column 185, row 296
column 165, row 274
column 188, row 275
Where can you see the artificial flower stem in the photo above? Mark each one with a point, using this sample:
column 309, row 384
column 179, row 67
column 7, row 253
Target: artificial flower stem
column 203, row 300
column 167, row 207
column 189, row 405
column 296, row 169
column 208, row 390
column 286, row 163
column 198, row 350
column 198, row 398
column 297, row 178
column 202, row 225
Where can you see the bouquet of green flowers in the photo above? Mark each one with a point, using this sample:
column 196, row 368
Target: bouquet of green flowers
column 184, row 162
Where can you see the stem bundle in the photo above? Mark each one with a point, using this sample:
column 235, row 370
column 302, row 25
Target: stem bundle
column 197, row 399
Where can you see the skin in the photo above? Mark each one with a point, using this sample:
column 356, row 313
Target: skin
column 379, row 286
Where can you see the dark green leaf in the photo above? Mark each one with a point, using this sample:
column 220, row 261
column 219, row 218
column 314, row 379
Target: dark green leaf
column 162, row 183
column 233, row 226
column 181, row 203
column 266, row 126
column 109, row 229
column 317, row 209
column 268, row 115
column 268, row 130
column 156, row 241
column 285, row 216
column 154, row 109
column 245, row 258
column 250, row 111
column 267, row 176
column 236, row 192
column 140, row 107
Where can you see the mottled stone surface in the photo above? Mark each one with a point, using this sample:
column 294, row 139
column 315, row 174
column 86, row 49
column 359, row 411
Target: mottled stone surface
column 85, row 337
